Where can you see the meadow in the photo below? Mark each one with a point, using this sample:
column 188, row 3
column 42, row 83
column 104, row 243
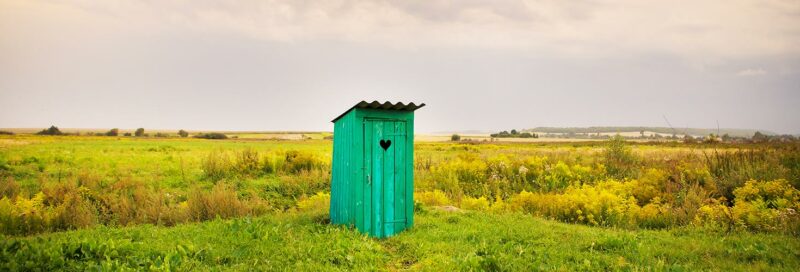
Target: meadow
column 80, row 202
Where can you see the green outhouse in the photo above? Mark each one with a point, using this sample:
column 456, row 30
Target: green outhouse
column 372, row 184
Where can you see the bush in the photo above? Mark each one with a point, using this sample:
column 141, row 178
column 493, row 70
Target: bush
column 768, row 206
column 247, row 162
column 216, row 165
column 297, row 161
column 212, row 136
column 222, row 201
column 53, row 130
column 113, row 132
column 475, row 204
column 8, row 187
column 318, row 203
column 619, row 158
column 435, row 198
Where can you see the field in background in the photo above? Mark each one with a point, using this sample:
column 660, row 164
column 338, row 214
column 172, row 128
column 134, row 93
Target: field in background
column 620, row 205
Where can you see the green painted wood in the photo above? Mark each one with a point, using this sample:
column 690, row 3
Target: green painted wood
column 372, row 188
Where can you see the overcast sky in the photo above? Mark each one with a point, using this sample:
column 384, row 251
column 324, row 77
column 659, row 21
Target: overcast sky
column 479, row 65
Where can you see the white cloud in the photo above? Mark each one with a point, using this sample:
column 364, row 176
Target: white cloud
column 752, row 72
column 706, row 29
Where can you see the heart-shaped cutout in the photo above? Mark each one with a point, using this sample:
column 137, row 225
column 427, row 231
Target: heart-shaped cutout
column 385, row 144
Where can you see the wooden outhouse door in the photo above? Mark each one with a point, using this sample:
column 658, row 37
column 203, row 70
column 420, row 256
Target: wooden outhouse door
column 385, row 148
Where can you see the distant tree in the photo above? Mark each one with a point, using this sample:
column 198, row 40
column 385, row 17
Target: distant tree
column 3, row 132
column 139, row 132
column 211, row 135
column 455, row 138
column 128, row 134
column 641, row 133
column 526, row 135
column 113, row 132
column 514, row 132
column 53, row 130
column 726, row 137
column 759, row 137
column 183, row 133
column 161, row 135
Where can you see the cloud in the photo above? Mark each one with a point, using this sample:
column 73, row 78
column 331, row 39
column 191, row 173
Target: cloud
column 752, row 72
column 691, row 29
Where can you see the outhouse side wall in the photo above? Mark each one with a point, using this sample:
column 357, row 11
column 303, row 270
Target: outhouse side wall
column 344, row 169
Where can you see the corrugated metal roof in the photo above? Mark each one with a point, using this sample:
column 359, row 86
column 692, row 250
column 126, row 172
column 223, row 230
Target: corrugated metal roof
column 399, row 106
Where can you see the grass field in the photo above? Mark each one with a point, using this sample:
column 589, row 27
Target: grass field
column 440, row 241
column 78, row 202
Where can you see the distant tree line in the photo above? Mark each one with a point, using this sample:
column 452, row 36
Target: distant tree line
column 139, row 132
column 514, row 134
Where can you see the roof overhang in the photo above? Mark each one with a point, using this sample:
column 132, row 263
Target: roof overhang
column 399, row 106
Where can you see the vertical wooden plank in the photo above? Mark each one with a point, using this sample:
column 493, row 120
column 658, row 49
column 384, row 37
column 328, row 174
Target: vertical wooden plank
column 377, row 178
column 410, row 170
column 389, row 179
column 358, row 164
column 400, row 172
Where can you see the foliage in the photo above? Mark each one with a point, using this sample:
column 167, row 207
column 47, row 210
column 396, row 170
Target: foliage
column 112, row 132
column 620, row 160
column 455, row 138
column 212, row 136
column 53, row 130
column 139, row 132
column 435, row 198
column 183, row 133
column 319, row 203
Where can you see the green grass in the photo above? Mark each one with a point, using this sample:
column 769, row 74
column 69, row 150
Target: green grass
column 283, row 239
column 439, row 241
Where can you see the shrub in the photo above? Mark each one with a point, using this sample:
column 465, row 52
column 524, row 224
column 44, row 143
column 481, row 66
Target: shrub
column 733, row 169
column 767, row 206
column 247, row 162
column 435, row 198
column 649, row 186
column 216, row 165
column 297, row 161
column 53, row 130
column 619, row 158
column 221, row 202
column 318, row 203
column 75, row 213
column 8, row 187
column 212, row 136
column 607, row 203
column 475, row 204
column 113, row 132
